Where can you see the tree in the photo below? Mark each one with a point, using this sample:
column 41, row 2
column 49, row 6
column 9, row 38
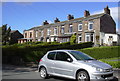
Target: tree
column 5, row 34
column 73, row 39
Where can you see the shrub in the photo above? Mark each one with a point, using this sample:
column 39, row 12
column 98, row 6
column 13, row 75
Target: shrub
column 38, row 42
column 73, row 39
column 32, row 52
column 65, row 43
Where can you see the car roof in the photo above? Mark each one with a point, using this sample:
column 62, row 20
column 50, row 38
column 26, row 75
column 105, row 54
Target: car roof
column 61, row 50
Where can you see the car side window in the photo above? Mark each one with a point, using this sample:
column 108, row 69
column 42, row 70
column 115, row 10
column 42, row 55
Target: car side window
column 62, row 56
column 51, row 55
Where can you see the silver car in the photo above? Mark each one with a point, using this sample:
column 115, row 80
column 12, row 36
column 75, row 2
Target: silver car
column 74, row 65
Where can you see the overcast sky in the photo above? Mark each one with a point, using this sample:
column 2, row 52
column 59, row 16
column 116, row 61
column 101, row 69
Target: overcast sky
column 25, row 15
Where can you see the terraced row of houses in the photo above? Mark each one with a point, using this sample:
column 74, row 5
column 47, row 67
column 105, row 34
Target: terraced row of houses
column 98, row 28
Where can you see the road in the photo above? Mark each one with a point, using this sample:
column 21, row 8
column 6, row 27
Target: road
column 31, row 74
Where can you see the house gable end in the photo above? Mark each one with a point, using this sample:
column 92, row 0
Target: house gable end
column 107, row 24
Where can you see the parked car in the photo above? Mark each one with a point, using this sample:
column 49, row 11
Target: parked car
column 74, row 65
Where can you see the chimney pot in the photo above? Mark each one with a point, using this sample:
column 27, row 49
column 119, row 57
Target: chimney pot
column 107, row 10
column 86, row 13
column 56, row 20
column 45, row 22
column 70, row 17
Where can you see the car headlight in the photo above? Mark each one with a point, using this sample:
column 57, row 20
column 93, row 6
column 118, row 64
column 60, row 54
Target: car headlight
column 98, row 69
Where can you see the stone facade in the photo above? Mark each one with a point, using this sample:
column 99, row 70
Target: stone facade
column 87, row 28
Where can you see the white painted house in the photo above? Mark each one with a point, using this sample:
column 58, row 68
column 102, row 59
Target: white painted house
column 109, row 39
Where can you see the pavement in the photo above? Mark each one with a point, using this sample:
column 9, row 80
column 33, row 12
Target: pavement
column 14, row 68
column 22, row 73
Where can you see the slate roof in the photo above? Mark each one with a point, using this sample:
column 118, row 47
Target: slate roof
column 72, row 20
column 13, row 31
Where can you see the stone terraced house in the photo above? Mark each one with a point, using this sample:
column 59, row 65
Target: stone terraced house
column 88, row 28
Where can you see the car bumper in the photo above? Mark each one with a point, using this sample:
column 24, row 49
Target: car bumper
column 102, row 76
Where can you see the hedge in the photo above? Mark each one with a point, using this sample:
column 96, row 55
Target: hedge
column 32, row 52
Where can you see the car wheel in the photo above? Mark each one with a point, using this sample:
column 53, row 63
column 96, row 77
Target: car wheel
column 82, row 76
column 43, row 73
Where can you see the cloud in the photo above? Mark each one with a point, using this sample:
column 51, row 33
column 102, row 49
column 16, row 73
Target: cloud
column 114, row 12
column 49, row 21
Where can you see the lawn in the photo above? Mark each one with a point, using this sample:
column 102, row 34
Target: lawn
column 102, row 52
column 112, row 62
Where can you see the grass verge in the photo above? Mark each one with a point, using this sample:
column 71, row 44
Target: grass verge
column 110, row 61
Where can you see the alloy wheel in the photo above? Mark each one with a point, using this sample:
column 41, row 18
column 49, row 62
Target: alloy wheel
column 82, row 76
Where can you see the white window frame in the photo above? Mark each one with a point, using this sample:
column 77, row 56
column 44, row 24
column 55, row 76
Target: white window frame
column 88, row 34
column 48, row 31
column 79, row 39
column 79, row 26
column 30, row 34
column 62, row 31
column 36, row 34
column 71, row 26
column 42, row 33
column 55, row 31
column 25, row 35
column 89, row 25
column 86, row 38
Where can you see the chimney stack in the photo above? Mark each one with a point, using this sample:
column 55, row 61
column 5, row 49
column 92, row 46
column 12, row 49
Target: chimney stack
column 107, row 10
column 86, row 13
column 56, row 20
column 45, row 22
column 70, row 17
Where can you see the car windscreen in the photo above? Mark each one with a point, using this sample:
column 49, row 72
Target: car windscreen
column 80, row 56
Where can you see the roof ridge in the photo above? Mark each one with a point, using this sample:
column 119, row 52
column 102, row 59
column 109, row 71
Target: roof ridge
column 69, row 20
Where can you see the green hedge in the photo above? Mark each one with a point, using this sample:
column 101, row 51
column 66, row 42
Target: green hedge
column 102, row 52
column 30, row 52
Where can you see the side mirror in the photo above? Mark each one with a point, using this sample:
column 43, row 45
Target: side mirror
column 69, row 59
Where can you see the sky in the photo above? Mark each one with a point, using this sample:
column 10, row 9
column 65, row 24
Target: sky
column 25, row 15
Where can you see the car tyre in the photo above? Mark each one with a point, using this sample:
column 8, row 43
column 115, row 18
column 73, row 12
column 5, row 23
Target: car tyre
column 43, row 73
column 82, row 76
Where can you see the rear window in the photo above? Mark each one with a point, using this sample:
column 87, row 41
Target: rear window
column 51, row 55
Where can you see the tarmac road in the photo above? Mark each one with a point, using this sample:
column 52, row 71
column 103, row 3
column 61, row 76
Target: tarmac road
column 13, row 73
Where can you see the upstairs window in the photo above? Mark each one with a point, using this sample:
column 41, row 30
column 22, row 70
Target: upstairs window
column 62, row 30
column 30, row 34
column 48, row 31
column 71, row 28
column 25, row 35
column 36, row 33
column 80, row 27
column 55, row 31
column 42, row 33
column 90, row 25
